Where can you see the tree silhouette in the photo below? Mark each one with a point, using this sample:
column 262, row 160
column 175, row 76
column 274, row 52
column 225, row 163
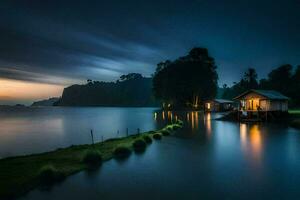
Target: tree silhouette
column 187, row 80
column 250, row 78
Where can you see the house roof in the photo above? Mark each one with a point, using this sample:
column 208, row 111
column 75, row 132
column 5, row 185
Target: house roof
column 221, row 100
column 269, row 94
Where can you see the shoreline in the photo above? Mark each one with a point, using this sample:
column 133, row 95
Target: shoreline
column 20, row 174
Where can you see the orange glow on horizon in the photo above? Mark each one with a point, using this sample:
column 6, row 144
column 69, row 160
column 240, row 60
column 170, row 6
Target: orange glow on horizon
column 23, row 90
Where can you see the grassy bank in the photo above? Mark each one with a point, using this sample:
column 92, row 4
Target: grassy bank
column 295, row 118
column 21, row 174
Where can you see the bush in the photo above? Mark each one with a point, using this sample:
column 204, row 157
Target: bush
column 170, row 127
column 147, row 139
column 49, row 174
column 176, row 126
column 139, row 145
column 296, row 124
column 180, row 122
column 165, row 132
column 92, row 158
column 151, row 132
column 122, row 152
column 157, row 136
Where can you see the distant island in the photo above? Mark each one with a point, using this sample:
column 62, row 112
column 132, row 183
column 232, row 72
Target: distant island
column 130, row 90
column 46, row 102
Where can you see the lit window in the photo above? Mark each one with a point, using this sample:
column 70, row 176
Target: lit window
column 208, row 105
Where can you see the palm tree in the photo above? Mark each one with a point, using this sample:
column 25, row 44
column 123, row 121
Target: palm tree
column 250, row 77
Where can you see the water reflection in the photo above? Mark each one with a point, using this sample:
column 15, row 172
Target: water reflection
column 251, row 140
column 38, row 129
column 192, row 119
column 207, row 122
column 238, row 160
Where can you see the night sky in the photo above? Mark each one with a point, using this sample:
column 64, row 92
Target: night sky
column 57, row 43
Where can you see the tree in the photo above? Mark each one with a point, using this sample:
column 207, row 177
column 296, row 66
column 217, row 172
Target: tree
column 280, row 79
column 250, row 78
column 187, row 80
column 160, row 66
column 131, row 76
column 89, row 82
column 249, row 81
column 296, row 86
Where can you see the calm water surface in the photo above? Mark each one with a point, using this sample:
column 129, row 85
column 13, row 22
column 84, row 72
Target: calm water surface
column 40, row 129
column 208, row 159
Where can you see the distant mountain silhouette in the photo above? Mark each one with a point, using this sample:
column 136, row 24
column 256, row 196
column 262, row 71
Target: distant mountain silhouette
column 46, row 102
column 130, row 90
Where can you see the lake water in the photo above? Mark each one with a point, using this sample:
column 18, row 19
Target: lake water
column 39, row 129
column 207, row 159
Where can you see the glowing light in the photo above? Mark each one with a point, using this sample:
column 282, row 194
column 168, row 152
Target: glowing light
column 253, row 104
column 208, row 106
column 155, row 115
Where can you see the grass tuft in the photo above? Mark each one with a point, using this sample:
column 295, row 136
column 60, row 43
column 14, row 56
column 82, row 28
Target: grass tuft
column 139, row 145
column 92, row 158
column 165, row 132
column 122, row 152
column 151, row 132
column 157, row 136
column 296, row 123
column 180, row 122
column 176, row 126
column 147, row 139
column 48, row 174
column 170, row 128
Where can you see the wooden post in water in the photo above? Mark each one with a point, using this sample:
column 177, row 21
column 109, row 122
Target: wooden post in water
column 126, row 132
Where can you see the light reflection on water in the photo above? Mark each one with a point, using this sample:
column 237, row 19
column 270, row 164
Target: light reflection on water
column 251, row 140
column 207, row 159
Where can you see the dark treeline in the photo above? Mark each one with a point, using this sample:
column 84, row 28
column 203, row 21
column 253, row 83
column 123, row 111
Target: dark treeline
column 186, row 81
column 130, row 90
column 284, row 79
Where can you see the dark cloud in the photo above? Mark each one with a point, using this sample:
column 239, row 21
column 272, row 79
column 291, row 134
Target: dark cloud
column 70, row 41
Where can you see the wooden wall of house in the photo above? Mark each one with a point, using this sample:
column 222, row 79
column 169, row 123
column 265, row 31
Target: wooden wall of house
column 214, row 106
column 266, row 104
column 276, row 105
